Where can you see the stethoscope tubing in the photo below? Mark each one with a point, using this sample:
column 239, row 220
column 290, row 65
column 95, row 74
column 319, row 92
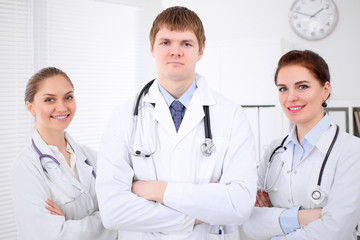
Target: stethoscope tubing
column 207, row 147
column 41, row 156
column 322, row 166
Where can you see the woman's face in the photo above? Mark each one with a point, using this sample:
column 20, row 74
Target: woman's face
column 54, row 104
column 301, row 95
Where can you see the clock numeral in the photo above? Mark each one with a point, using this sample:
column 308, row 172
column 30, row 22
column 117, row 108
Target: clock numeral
column 322, row 31
column 313, row 34
column 298, row 25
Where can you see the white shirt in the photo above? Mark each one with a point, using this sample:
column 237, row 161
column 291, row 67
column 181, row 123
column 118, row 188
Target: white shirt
column 63, row 163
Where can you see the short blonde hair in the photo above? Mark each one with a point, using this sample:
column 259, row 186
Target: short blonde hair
column 179, row 19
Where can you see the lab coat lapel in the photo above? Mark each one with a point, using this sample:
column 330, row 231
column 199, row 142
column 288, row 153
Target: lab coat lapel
column 287, row 157
column 193, row 115
column 195, row 112
column 43, row 148
column 84, row 170
column 161, row 110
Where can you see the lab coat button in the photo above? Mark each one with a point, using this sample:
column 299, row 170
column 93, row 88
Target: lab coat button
column 288, row 171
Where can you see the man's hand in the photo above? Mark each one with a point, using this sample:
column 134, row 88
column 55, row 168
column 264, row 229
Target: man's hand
column 306, row 216
column 150, row 190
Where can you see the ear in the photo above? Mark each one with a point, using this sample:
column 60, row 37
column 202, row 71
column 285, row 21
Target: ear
column 327, row 88
column 201, row 52
column 30, row 108
column 152, row 51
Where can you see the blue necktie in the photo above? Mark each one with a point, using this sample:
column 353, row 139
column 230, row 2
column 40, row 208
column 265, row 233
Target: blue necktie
column 177, row 113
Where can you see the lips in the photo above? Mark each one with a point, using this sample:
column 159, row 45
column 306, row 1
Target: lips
column 295, row 109
column 61, row 117
column 175, row 63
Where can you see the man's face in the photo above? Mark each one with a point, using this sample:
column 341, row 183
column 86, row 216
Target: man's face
column 176, row 54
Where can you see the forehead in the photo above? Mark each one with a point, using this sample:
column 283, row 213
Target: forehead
column 293, row 74
column 166, row 33
column 56, row 83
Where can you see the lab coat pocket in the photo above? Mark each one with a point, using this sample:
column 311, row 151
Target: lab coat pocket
column 209, row 168
column 223, row 233
column 226, row 236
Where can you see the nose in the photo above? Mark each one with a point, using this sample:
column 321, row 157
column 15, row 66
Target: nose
column 176, row 51
column 61, row 106
column 292, row 96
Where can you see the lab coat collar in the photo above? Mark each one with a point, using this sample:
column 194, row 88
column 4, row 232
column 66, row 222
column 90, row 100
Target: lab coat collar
column 84, row 170
column 325, row 140
column 42, row 146
column 194, row 114
column 322, row 145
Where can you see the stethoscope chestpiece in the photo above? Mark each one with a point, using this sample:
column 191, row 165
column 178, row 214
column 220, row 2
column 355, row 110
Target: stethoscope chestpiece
column 208, row 147
column 317, row 196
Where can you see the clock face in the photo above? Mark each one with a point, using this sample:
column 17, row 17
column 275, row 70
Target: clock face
column 313, row 19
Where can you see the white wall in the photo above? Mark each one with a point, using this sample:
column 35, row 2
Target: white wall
column 262, row 19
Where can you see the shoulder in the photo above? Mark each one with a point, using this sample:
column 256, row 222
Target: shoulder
column 26, row 157
column 26, row 164
column 89, row 152
column 348, row 143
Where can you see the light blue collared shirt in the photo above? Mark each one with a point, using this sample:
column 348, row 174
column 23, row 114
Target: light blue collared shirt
column 289, row 218
column 184, row 99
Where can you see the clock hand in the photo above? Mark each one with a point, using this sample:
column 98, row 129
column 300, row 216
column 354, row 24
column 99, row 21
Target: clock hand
column 316, row 13
column 303, row 13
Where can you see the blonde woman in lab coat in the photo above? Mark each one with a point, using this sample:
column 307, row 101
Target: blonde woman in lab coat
column 291, row 203
column 54, row 177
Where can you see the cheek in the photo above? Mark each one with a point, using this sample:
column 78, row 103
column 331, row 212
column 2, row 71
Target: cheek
column 73, row 106
column 282, row 99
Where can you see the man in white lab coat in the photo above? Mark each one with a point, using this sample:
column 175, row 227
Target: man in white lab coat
column 153, row 175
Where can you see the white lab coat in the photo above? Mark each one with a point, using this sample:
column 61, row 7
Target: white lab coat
column 192, row 191
column 31, row 187
column 340, row 181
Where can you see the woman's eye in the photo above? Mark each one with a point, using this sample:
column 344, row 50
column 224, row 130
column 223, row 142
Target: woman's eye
column 69, row 97
column 302, row 87
column 49, row 100
column 282, row 89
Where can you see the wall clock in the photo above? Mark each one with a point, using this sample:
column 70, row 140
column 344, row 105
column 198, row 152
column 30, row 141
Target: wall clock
column 313, row 19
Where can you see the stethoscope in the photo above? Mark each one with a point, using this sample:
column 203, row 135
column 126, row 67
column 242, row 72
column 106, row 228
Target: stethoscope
column 61, row 178
column 317, row 195
column 207, row 147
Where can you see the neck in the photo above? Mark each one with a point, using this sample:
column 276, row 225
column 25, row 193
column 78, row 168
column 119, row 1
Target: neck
column 304, row 128
column 176, row 88
column 55, row 138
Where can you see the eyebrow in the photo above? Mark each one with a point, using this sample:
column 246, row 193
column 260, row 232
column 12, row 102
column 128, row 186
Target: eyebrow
column 169, row 40
column 51, row 95
column 297, row 83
